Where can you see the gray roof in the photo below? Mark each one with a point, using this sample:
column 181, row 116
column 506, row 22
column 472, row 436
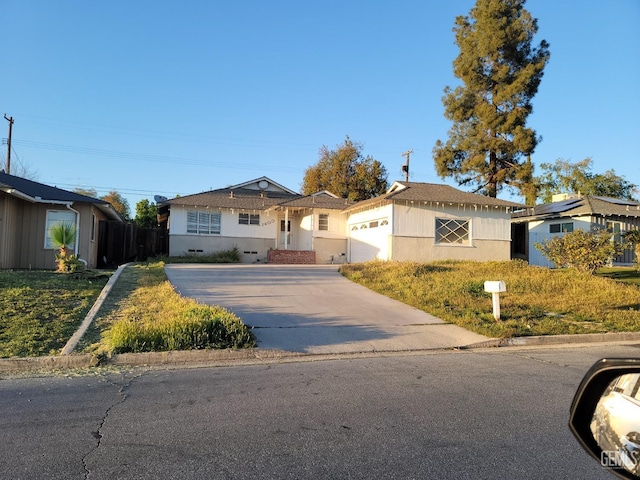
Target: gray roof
column 241, row 198
column 317, row 201
column 433, row 192
column 36, row 192
column 586, row 205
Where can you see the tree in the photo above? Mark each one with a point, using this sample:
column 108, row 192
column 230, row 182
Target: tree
column 566, row 177
column 346, row 173
column 146, row 214
column 119, row 203
column 87, row 192
column 580, row 250
column 500, row 71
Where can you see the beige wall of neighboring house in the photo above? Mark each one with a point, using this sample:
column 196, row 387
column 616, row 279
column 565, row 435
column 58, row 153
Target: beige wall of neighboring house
column 10, row 218
column 24, row 240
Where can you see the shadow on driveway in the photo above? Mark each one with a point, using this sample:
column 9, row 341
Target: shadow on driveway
column 314, row 309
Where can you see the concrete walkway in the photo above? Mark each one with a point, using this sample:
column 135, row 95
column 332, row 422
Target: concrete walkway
column 314, row 309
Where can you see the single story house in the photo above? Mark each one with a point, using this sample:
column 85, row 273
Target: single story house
column 412, row 221
column 426, row 222
column 28, row 209
column 259, row 216
column 568, row 213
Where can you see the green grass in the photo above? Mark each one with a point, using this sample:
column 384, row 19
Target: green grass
column 538, row 301
column 40, row 310
column 144, row 313
column 622, row 274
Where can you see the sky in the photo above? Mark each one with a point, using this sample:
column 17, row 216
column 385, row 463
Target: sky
column 151, row 97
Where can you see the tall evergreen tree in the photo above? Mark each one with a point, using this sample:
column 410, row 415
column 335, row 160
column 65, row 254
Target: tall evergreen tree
column 500, row 70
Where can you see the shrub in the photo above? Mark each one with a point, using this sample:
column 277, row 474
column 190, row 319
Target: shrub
column 633, row 237
column 199, row 327
column 580, row 250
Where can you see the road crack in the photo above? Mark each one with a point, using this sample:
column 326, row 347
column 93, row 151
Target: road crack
column 97, row 434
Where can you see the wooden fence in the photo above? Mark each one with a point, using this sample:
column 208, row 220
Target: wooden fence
column 120, row 243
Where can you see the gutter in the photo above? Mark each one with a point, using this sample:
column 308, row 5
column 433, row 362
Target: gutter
column 75, row 246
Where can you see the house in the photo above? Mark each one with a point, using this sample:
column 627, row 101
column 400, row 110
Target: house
column 259, row 216
column 28, row 209
column 426, row 222
column 568, row 213
column 270, row 223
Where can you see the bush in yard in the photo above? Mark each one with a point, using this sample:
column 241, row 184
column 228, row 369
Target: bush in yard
column 580, row 250
column 633, row 237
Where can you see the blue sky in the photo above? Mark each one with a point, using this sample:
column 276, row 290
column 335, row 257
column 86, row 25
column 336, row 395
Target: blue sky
column 157, row 97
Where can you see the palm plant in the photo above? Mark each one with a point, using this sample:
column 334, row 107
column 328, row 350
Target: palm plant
column 62, row 236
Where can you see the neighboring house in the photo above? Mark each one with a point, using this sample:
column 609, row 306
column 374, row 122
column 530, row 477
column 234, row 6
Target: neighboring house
column 258, row 216
column 412, row 221
column 426, row 222
column 28, row 209
column 536, row 224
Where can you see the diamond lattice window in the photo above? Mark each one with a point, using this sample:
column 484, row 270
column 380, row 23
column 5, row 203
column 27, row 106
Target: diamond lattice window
column 451, row 231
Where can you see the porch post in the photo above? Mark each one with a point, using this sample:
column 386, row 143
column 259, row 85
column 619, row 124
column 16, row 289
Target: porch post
column 286, row 229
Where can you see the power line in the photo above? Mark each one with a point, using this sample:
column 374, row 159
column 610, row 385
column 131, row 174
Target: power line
column 149, row 158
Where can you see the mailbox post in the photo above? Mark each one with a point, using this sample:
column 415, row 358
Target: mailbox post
column 494, row 288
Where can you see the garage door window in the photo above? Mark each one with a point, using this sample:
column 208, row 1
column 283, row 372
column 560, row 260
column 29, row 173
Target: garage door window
column 452, row 232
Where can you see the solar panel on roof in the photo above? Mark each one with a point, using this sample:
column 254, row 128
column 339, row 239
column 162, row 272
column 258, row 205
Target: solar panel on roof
column 557, row 207
column 618, row 201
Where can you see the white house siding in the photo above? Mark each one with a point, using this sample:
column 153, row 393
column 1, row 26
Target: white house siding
column 330, row 245
column 366, row 243
column 255, row 240
column 418, row 219
column 410, row 234
column 539, row 232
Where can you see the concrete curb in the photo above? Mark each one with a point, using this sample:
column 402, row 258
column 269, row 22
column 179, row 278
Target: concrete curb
column 557, row 340
column 75, row 338
column 212, row 358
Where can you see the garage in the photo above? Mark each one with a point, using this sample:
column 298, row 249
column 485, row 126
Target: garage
column 369, row 240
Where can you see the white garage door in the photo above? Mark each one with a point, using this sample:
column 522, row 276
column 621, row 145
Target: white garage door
column 369, row 240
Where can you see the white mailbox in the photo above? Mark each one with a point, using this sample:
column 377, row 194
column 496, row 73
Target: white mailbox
column 495, row 286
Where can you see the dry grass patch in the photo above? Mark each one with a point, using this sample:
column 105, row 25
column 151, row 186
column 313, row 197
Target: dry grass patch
column 538, row 301
column 146, row 314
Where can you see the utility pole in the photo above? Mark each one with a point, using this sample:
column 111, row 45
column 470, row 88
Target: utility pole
column 405, row 167
column 10, row 120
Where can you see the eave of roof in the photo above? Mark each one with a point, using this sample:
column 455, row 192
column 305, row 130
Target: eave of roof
column 433, row 193
column 587, row 205
column 36, row 192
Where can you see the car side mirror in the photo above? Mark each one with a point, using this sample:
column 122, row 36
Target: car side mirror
column 605, row 415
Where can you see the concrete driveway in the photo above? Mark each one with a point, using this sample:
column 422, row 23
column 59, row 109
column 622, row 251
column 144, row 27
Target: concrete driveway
column 314, row 309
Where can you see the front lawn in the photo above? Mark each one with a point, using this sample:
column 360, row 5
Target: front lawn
column 40, row 310
column 144, row 313
column 538, row 301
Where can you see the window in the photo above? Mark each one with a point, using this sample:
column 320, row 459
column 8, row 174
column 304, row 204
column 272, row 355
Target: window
column 323, row 221
column 203, row 223
column 616, row 229
column 93, row 227
column 54, row 217
column 248, row 219
column 373, row 224
column 451, row 231
column 561, row 227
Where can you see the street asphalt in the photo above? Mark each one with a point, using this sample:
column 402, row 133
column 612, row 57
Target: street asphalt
column 313, row 309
